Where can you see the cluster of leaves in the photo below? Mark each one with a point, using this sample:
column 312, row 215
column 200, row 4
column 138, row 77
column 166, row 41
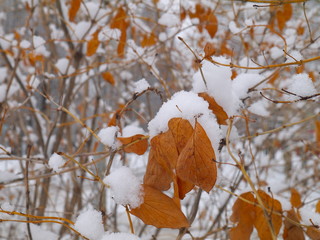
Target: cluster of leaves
column 267, row 219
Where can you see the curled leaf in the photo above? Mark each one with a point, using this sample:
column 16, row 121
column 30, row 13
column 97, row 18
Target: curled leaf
column 215, row 108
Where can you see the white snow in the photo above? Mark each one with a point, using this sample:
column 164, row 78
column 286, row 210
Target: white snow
column 233, row 27
column 302, row 85
column 64, row 67
column 141, row 85
column 296, row 55
column 219, row 85
column 3, row 74
column 125, row 186
column 285, row 203
column 108, row 136
column 81, row 29
column 6, row 207
column 163, row 36
column 275, row 53
column 89, row 224
column 243, row 82
column 25, row 44
column 189, row 106
column 39, row 234
column 132, row 130
column 55, row 162
column 3, row 89
column 259, row 108
column 39, row 46
column 6, row 176
column 120, row 236
column 307, row 213
column 169, row 20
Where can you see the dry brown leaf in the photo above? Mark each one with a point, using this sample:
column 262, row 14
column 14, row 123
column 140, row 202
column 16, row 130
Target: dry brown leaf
column 243, row 214
column 107, row 76
column 136, row 144
column 184, row 187
column 300, row 30
column 274, row 77
column 181, row 130
column 93, row 44
column 318, row 207
column 209, row 50
column 148, row 40
column 212, row 25
column 159, row 210
column 313, row 233
column 215, row 108
column 120, row 22
column 195, row 163
column 74, row 7
column 295, row 198
column 156, row 176
column 292, row 231
column 261, row 223
column 283, row 15
column 165, row 150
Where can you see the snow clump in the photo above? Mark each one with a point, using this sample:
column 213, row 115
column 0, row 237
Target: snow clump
column 108, row 136
column 55, row 162
column 125, row 186
column 89, row 224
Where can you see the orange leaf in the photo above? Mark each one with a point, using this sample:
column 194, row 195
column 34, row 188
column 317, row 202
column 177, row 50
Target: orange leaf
column 209, row 50
column 75, row 6
column 318, row 207
column 261, row 223
column 283, row 15
column 93, row 44
column 243, row 214
column 313, row 233
column 195, row 163
column 135, row 144
column 148, row 40
column 33, row 58
column 120, row 22
column 181, row 130
column 108, row 77
column 215, row 108
column 212, row 25
column 292, row 231
column 295, row 198
column 300, row 30
column 184, row 187
column 274, row 77
column 165, row 150
column 159, row 210
column 156, row 176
